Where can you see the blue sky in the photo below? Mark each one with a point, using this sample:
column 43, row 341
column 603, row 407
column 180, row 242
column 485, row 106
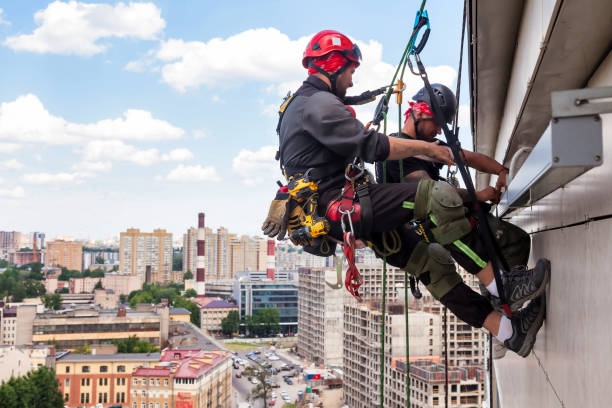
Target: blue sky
column 117, row 115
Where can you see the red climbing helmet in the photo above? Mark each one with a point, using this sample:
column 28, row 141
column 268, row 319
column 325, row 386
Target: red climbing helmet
column 327, row 41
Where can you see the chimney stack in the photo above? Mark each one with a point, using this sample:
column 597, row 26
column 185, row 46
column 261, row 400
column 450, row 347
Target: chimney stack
column 270, row 261
column 201, row 251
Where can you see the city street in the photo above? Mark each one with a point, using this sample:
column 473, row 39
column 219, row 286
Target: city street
column 242, row 387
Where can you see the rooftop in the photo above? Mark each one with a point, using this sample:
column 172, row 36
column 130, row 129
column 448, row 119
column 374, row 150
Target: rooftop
column 216, row 304
column 75, row 358
column 179, row 310
column 152, row 372
column 194, row 363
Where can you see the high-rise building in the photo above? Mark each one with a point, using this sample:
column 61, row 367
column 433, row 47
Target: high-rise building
column 147, row 255
column 11, row 241
column 362, row 346
column 65, row 253
column 249, row 254
column 200, row 253
column 320, row 317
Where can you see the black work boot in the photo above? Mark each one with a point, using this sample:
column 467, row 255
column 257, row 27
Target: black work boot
column 521, row 285
column 525, row 326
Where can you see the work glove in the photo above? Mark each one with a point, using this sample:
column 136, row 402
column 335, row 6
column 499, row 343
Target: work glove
column 275, row 224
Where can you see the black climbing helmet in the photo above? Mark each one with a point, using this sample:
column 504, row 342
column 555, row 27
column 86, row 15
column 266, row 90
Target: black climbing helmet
column 445, row 98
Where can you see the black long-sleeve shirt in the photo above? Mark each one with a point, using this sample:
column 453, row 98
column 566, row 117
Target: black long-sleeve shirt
column 318, row 130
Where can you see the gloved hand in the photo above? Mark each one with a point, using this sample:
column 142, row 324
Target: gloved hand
column 275, row 224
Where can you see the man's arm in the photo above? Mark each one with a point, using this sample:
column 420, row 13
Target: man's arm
column 403, row 148
column 487, row 165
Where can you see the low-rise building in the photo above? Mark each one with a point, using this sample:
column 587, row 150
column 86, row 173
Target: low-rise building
column 212, row 313
column 17, row 361
column 427, row 384
column 106, row 298
column 78, row 326
column 88, row 379
column 180, row 314
column 184, row 379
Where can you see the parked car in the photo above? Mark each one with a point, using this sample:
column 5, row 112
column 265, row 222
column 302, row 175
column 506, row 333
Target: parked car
column 271, row 403
column 253, row 380
column 288, row 381
column 238, row 375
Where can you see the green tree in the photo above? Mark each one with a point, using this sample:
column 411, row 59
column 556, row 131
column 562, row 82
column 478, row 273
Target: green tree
column 84, row 349
column 141, row 297
column 67, row 274
column 38, row 389
column 3, row 263
column 52, row 301
column 19, row 292
column 231, row 323
column 188, row 275
column 268, row 319
column 122, row 298
column 64, row 290
column 100, row 259
column 34, row 288
column 97, row 273
column 180, row 301
column 190, row 293
column 263, row 389
column 133, row 345
column 251, row 325
column 99, row 285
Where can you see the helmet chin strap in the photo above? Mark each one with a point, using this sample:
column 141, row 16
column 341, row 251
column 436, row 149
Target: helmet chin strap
column 332, row 77
column 416, row 125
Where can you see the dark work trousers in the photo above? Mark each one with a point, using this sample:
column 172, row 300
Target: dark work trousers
column 389, row 214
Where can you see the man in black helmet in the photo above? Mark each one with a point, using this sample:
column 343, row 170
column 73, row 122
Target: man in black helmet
column 420, row 124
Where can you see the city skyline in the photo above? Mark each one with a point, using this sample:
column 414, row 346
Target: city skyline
column 125, row 120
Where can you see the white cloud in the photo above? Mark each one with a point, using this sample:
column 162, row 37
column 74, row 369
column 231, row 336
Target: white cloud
column 11, row 164
column 27, row 120
column 98, row 154
column 116, row 150
column 9, row 147
column 263, row 54
column 16, row 192
column 246, row 161
column 92, row 166
column 2, row 20
column 180, row 154
column 54, row 178
column 464, row 116
column 191, row 173
column 76, row 28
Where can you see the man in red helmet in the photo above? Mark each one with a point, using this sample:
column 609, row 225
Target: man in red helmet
column 319, row 137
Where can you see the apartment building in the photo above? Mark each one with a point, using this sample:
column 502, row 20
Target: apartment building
column 248, row 254
column 320, row 317
column 184, row 378
column 146, row 255
column 361, row 344
column 90, row 379
column 86, row 324
column 16, row 324
column 427, row 384
column 68, row 254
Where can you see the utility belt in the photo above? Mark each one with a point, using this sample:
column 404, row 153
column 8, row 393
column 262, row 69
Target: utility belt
column 306, row 227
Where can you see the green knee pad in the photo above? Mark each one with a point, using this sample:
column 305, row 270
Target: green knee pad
column 441, row 202
column 433, row 265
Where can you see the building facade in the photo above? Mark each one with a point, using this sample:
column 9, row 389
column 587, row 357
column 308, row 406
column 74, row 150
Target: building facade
column 66, row 254
column 87, row 379
column 82, row 325
column 320, row 317
column 252, row 295
column 212, row 313
column 16, row 324
column 184, row 379
column 427, row 385
column 146, row 255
